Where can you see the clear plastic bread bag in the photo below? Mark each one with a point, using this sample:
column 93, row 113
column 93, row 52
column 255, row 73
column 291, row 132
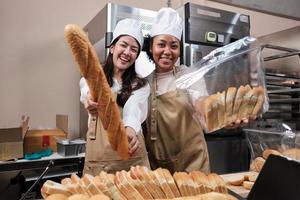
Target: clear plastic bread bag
column 226, row 85
column 279, row 140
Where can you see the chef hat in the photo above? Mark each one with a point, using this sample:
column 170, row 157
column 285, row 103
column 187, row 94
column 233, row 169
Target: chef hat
column 167, row 21
column 129, row 27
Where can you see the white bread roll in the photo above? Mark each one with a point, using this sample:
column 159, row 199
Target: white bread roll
column 257, row 164
column 236, row 180
column 268, row 152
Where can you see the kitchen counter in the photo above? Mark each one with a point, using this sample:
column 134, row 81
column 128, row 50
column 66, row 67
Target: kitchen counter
column 239, row 190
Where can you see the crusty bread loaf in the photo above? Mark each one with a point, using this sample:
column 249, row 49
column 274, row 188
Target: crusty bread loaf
column 79, row 197
column 51, row 187
column 257, row 164
column 126, row 187
column 251, row 177
column 216, row 196
column 248, row 185
column 152, row 186
column 99, row 197
column 259, row 103
column 171, row 182
column 292, row 153
column 245, row 103
column 90, row 68
column 109, row 181
column 230, row 96
column 202, row 181
column 236, row 180
column 268, row 152
column 136, row 183
column 159, row 174
column 238, row 101
column 221, row 109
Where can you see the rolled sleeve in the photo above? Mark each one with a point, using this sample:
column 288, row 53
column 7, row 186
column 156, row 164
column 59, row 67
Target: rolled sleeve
column 135, row 110
column 84, row 90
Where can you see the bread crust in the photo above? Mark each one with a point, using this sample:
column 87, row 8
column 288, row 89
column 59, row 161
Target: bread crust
column 90, row 68
column 268, row 152
column 257, row 164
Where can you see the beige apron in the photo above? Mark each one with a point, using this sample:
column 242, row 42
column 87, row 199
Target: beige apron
column 175, row 140
column 99, row 156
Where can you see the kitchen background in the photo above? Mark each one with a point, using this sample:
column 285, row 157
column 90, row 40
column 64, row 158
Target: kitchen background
column 38, row 76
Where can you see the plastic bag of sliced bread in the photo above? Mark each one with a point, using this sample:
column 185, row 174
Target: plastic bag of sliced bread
column 278, row 139
column 227, row 85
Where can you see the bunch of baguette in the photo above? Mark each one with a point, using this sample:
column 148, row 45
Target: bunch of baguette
column 221, row 109
column 90, row 68
column 140, row 183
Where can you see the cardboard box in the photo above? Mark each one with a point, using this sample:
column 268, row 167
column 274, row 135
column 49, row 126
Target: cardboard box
column 11, row 141
column 38, row 140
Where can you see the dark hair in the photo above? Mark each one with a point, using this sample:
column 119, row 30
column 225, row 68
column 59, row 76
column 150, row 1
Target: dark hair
column 130, row 81
column 148, row 41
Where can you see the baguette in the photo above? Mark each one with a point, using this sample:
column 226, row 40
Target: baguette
column 90, row 68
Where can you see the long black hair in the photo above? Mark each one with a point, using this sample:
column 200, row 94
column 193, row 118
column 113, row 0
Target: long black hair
column 130, row 80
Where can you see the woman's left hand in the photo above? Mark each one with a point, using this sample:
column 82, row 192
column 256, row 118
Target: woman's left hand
column 133, row 142
column 237, row 123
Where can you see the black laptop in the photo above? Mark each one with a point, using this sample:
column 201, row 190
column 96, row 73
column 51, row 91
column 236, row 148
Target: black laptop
column 279, row 179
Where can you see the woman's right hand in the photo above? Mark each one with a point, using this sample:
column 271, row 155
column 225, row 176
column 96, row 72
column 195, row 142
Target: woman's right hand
column 91, row 106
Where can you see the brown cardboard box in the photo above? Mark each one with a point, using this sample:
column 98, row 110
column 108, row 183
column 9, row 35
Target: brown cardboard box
column 11, row 141
column 38, row 140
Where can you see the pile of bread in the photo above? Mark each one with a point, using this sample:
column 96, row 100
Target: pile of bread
column 137, row 184
column 258, row 162
column 246, row 180
column 221, row 109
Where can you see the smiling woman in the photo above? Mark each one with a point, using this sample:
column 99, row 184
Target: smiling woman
column 131, row 95
column 174, row 138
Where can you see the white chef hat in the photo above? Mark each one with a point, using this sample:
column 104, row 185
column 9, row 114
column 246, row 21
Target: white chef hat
column 167, row 21
column 129, row 27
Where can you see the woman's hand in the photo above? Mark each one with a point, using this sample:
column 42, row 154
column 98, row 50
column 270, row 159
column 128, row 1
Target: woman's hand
column 133, row 142
column 91, row 106
column 237, row 123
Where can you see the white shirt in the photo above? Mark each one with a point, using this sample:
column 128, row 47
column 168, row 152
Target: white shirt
column 135, row 110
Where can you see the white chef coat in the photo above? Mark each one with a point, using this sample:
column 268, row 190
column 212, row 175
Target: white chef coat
column 135, row 110
column 166, row 82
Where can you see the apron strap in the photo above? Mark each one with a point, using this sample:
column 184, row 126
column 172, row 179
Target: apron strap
column 153, row 111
